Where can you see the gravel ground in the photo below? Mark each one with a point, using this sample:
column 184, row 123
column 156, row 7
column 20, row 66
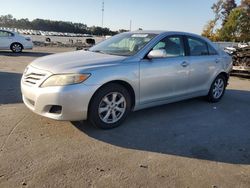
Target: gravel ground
column 185, row 144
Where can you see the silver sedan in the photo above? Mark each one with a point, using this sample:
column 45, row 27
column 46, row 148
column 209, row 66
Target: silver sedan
column 127, row 72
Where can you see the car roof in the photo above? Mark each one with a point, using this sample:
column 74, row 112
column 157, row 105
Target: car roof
column 161, row 32
column 165, row 32
column 149, row 31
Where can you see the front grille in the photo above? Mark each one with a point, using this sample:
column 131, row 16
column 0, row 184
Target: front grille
column 33, row 78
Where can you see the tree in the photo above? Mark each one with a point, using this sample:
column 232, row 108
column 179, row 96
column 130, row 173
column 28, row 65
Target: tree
column 235, row 21
column 227, row 7
column 217, row 8
column 245, row 21
column 245, row 3
column 209, row 29
column 7, row 20
column 122, row 30
column 235, row 27
column 50, row 25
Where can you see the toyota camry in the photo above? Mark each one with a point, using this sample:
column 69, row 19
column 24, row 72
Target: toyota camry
column 127, row 72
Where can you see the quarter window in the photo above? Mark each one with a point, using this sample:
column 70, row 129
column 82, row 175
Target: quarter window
column 173, row 46
column 197, row 47
column 211, row 50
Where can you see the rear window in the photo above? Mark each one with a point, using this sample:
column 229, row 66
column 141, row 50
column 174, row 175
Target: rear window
column 197, row 47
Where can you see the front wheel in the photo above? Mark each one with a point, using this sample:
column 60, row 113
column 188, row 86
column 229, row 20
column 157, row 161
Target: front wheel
column 109, row 106
column 217, row 89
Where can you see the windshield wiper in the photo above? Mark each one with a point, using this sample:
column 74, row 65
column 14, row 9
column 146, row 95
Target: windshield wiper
column 99, row 51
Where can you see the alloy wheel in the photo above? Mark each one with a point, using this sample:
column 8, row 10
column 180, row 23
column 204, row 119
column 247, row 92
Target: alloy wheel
column 112, row 107
column 218, row 89
column 17, row 48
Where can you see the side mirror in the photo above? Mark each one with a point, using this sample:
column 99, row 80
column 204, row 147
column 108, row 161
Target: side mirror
column 157, row 54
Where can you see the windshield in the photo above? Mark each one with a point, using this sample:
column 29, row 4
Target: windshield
column 125, row 44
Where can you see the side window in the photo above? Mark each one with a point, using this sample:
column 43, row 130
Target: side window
column 2, row 33
column 5, row 34
column 211, row 50
column 173, row 45
column 197, row 47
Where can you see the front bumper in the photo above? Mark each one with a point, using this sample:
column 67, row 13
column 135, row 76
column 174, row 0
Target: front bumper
column 73, row 99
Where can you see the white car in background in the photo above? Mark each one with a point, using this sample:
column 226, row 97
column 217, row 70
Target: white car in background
column 14, row 41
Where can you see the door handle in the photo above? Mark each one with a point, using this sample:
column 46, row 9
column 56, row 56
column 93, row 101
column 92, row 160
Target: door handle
column 184, row 64
column 217, row 60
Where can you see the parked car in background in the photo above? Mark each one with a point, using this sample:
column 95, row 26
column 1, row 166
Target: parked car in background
column 124, row 73
column 13, row 41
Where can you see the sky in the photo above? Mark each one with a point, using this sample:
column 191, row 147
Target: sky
column 175, row 15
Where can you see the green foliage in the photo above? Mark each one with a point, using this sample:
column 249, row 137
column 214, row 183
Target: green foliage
column 49, row 25
column 231, row 30
column 227, row 6
column 245, row 26
column 237, row 27
column 235, row 21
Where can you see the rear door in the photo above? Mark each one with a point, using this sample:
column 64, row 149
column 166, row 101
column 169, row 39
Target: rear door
column 165, row 78
column 6, row 39
column 203, row 64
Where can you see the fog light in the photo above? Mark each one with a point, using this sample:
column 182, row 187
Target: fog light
column 55, row 109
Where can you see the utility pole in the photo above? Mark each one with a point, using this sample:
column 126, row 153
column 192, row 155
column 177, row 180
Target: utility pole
column 130, row 25
column 102, row 12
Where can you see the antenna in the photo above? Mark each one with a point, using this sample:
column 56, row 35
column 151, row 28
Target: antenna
column 102, row 12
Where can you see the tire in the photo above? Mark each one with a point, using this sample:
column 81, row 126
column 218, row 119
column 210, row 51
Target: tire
column 16, row 47
column 217, row 89
column 109, row 106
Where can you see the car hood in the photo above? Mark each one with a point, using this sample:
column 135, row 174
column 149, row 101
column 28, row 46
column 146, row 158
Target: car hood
column 75, row 61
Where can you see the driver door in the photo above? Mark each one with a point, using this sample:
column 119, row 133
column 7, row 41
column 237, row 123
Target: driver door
column 165, row 78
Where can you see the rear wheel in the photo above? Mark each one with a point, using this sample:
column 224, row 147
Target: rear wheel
column 109, row 106
column 16, row 47
column 217, row 89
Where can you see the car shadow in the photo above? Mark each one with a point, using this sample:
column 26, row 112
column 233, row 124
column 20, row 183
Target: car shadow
column 193, row 128
column 10, row 91
column 24, row 54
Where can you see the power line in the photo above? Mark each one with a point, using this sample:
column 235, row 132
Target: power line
column 102, row 12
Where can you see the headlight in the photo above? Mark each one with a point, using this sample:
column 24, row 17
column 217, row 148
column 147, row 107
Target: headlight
column 65, row 79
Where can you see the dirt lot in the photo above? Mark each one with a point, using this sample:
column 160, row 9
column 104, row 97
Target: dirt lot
column 185, row 144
